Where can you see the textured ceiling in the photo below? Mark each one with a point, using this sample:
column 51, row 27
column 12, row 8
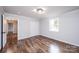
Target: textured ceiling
column 51, row 11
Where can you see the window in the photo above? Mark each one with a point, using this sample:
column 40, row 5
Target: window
column 54, row 25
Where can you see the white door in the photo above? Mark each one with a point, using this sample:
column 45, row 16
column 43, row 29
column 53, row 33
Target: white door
column 0, row 32
column 4, row 31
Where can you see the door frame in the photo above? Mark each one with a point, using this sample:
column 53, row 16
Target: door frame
column 13, row 28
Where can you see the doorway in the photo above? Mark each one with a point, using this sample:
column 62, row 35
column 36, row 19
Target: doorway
column 12, row 32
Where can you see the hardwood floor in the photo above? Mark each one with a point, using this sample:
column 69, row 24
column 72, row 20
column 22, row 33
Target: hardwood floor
column 40, row 44
column 12, row 38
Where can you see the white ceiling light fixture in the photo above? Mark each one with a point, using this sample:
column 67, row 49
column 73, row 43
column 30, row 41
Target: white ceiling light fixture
column 39, row 10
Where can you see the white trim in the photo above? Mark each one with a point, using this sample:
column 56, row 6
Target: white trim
column 62, row 41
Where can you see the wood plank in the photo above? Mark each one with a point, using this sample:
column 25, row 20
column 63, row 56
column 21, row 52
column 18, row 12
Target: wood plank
column 40, row 44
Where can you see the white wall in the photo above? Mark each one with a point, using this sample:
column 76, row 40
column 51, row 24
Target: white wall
column 23, row 28
column 68, row 28
column 34, row 27
column 27, row 26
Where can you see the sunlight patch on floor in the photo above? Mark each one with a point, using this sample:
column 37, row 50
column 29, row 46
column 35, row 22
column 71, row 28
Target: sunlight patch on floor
column 54, row 49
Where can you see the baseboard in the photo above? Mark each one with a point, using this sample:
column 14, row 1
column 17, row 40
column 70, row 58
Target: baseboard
column 29, row 37
column 51, row 39
column 60, row 41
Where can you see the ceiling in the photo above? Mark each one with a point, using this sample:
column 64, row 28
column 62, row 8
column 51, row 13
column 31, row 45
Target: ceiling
column 51, row 11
